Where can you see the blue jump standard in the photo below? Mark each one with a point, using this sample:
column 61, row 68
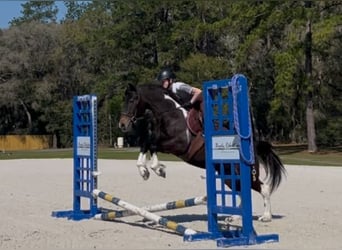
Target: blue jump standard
column 229, row 145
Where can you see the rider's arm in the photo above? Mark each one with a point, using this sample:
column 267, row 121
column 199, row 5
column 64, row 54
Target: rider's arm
column 196, row 92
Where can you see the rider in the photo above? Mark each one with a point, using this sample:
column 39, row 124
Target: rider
column 188, row 96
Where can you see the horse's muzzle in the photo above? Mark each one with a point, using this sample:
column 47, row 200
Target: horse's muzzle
column 125, row 125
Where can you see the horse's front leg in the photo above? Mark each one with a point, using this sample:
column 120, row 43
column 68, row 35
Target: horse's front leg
column 156, row 166
column 266, row 195
column 141, row 164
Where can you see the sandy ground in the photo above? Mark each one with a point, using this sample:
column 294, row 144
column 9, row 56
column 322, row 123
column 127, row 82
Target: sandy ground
column 307, row 207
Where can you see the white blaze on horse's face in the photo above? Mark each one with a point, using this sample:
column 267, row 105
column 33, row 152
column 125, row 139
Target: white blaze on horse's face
column 185, row 113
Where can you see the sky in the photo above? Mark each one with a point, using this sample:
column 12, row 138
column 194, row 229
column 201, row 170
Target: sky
column 12, row 8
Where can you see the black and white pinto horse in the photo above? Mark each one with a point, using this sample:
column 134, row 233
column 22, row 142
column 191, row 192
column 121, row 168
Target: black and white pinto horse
column 172, row 134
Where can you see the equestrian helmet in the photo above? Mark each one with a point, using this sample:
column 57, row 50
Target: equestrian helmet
column 166, row 74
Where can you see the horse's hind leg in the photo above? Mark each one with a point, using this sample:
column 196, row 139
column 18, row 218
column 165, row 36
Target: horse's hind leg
column 141, row 164
column 264, row 190
column 266, row 195
column 156, row 166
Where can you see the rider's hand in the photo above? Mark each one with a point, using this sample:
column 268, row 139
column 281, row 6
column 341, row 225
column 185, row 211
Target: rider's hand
column 187, row 105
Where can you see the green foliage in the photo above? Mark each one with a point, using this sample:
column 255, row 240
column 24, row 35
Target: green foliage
column 285, row 69
column 326, row 31
column 199, row 67
column 37, row 11
column 330, row 132
column 59, row 122
column 75, row 10
column 101, row 46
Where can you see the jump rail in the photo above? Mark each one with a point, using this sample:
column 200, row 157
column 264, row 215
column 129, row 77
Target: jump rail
column 146, row 214
column 108, row 214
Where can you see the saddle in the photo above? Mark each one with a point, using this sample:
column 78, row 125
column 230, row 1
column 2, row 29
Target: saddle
column 195, row 124
column 194, row 121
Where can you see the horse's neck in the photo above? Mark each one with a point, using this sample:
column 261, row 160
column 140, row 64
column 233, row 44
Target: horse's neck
column 157, row 103
column 173, row 96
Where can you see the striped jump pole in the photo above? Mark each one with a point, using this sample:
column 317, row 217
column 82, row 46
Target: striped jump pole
column 146, row 214
column 108, row 214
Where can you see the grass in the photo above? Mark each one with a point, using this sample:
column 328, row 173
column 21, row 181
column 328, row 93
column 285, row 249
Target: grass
column 298, row 155
column 289, row 154
column 103, row 153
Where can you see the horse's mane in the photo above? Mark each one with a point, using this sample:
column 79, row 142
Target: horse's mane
column 151, row 86
column 153, row 93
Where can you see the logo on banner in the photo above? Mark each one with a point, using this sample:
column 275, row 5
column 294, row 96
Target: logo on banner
column 226, row 147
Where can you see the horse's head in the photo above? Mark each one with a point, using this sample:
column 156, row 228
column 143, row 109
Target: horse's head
column 130, row 109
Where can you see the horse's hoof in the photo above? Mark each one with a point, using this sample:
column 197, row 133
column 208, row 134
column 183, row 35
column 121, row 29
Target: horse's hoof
column 160, row 170
column 143, row 171
column 232, row 218
column 232, row 222
column 265, row 218
column 145, row 175
column 162, row 173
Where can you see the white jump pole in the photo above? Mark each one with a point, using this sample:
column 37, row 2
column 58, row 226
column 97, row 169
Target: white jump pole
column 109, row 214
column 146, row 214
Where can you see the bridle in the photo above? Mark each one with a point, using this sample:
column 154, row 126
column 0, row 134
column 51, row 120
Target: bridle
column 133, row 118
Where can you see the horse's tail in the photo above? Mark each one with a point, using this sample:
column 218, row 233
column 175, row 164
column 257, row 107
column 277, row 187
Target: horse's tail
column 274, row 168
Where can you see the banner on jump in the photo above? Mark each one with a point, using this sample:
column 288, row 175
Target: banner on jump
column 226, row 147
column 83, row 145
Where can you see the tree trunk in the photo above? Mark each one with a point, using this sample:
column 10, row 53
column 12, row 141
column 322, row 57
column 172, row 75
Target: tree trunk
column 54, row 141
column 28, row 115
column 310, row 119
column 310, row 126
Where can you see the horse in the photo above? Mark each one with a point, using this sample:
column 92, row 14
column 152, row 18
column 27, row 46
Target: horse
column 173, row 135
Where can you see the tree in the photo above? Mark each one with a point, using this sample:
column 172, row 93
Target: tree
column 75, row 10
column 26, row 65
column 310, row 119
column 293, row 68
column 39, row 11
column 283, row 60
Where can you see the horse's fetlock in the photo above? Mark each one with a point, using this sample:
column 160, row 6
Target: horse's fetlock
column 265, row 218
